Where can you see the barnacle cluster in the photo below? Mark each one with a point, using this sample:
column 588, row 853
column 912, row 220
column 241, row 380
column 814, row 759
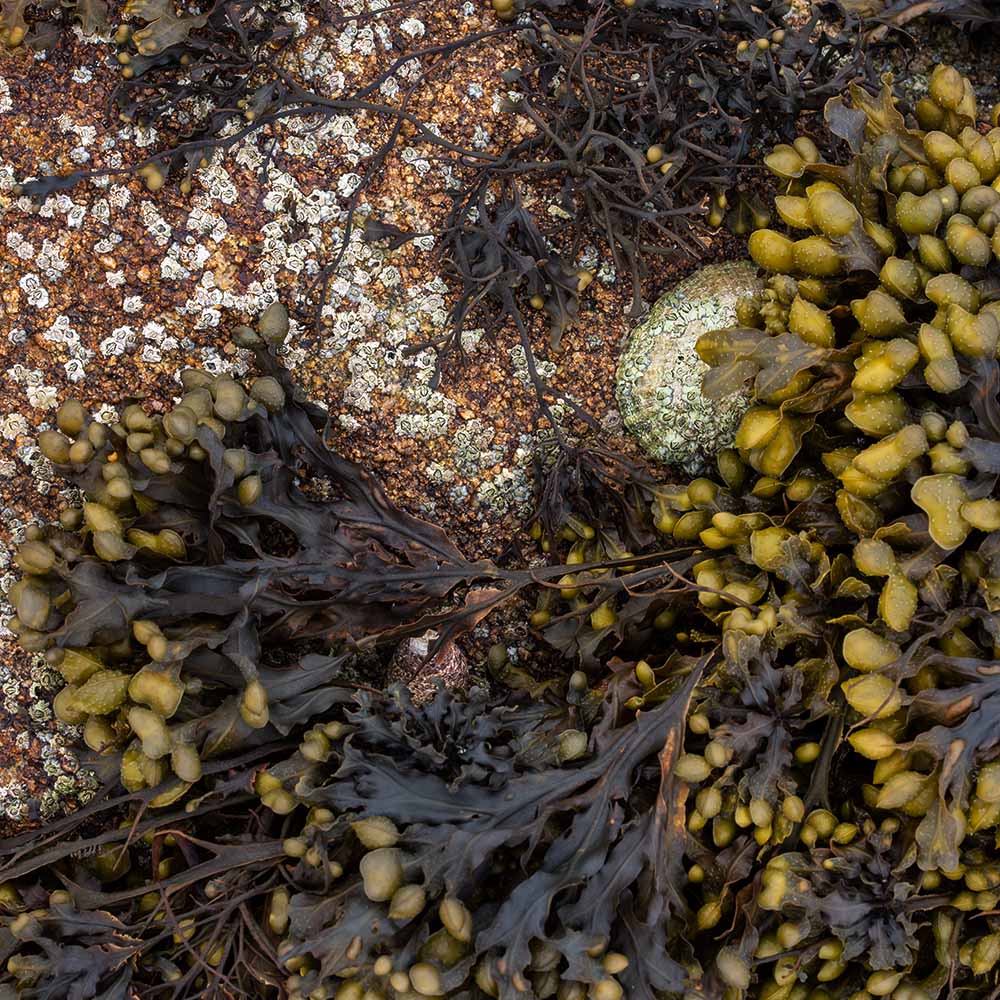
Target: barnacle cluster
column 184, row 71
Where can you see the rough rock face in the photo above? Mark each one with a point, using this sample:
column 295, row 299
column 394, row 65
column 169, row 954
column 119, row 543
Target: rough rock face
column 660, row 373
column 107, row 289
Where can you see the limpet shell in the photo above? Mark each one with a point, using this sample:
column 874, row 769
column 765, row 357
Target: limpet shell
column 659, row 379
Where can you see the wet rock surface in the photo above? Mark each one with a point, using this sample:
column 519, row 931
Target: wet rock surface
column 421, row 672
column 107, row 290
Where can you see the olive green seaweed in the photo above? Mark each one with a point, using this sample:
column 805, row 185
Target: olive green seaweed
column 772, row 768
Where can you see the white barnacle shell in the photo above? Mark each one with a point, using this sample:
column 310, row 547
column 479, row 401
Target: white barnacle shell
column 660, row 374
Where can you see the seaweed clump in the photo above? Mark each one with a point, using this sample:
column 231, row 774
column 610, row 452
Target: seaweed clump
column 972, row 16
column 774, row 771
column 868, row 467
column 16, row 31
column 638, row 117
column 183, row 601
column 818, row 670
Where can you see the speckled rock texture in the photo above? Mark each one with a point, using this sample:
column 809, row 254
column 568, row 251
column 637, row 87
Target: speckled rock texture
column 660, row 373
column 107, row 290
column 410, row 666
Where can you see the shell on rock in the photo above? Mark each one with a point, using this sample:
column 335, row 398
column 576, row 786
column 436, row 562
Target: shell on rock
column 660, row 374
column 410, row 666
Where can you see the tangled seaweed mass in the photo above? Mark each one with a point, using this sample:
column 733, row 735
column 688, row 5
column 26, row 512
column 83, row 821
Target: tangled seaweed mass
column 629, row 116
column 774, row 772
